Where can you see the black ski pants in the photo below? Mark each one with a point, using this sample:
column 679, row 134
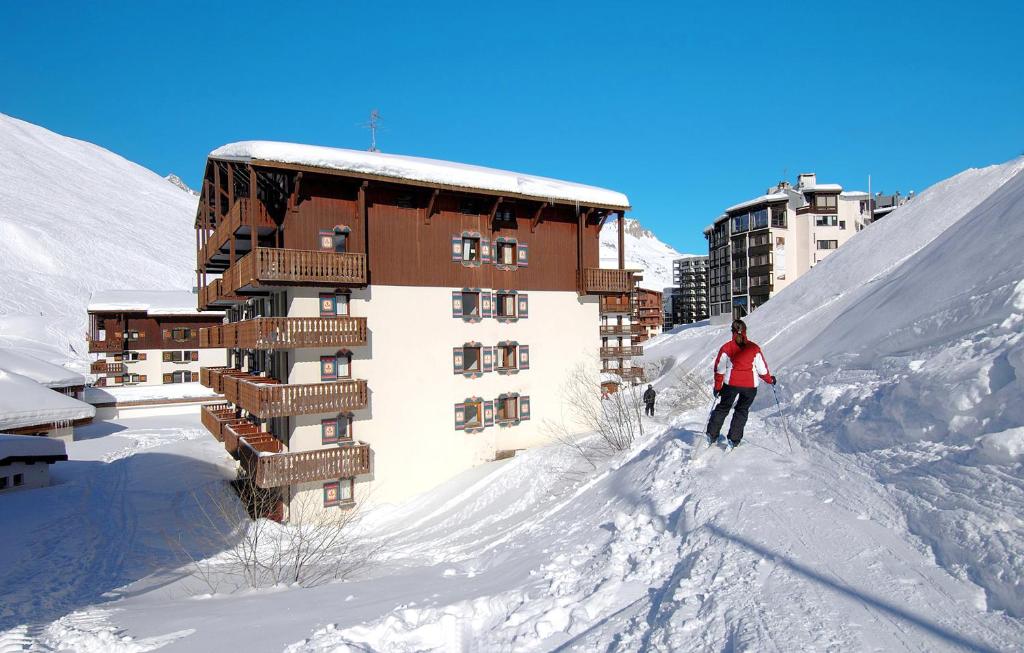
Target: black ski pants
column 739, row 416
column 649, row 408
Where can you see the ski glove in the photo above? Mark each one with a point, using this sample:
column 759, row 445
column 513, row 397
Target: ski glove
column 716, row 393
column 773, row 380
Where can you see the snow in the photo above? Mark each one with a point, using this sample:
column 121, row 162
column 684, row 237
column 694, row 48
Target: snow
column 122, row 394
column 761, row 199
column 29, row 445
column 644, row 251
column 76, row 218
column 821, row 188
column 431, row 171
column 47, row 374
column 153, row 302
column 23, row 402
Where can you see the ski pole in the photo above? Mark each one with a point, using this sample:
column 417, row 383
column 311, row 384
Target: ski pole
column 785, row 426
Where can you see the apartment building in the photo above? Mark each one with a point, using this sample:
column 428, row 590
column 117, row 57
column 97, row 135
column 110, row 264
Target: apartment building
column 148, row 337
column 883, row 205
column 391, row 320
column 758, row 247
column 648, row 312
column 690, row 293
column 621, row 335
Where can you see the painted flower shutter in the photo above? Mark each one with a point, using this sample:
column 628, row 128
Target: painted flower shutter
column 524, row 407
column 486, row 303
column 167, row 357
column 167, row 334
column 488, row 413
column 485, row 250
column 142, row 378
column 168, row 378
column 328, row 368
column 195, row 377
column 195, row 355
column 328, row 431
column 331, row 493
column 456, row 303
column 523, row 255
column 523, row 305
column 325, row 240
column 457, row 248
column 458, row 360
column 460, row 417
column 524, row 357
column 487, row 354
column 142, row 356
column 328, row 307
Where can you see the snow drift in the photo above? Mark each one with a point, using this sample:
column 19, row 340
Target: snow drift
column 75, row 218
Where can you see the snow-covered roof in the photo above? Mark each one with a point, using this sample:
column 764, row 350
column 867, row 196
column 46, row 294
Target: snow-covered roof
column 431, row 171
column 153, row 302
column 762, row 199
column 853, row 193
column 30, row 446
column 822, row 188
column 883, row 209
column 23, row 402
column 47, row 374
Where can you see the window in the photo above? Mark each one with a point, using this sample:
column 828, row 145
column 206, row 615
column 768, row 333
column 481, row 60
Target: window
column 505, row 215
column 825, row 201
column 828, row 244
column 339, row 493
column 471, row 304
column 19, row 479
column 760, row 218
column 506, row 254
column 333, row 304
column 132, row 378
column 760, row 239
column 508, row 408
column 842, row 224
column 470, row 248
column 506, row 304
column 760, row 259
column 863, row 206
column 3, row 482
column 337, row 429
column 471, row 359
column 404, row 201
column 338, row 366
column 181, row 334
column 507, row 356
column 133, row 335
column 741, row 222
column 334, row 240
column 469, row 207
column 779, row 217
column 826, row 220
column 474, row 414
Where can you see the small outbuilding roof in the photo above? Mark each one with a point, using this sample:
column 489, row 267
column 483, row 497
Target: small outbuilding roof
column 30, row 448
column 47, row 374
column 153, row 302
column 417, row 169
column 23, row 402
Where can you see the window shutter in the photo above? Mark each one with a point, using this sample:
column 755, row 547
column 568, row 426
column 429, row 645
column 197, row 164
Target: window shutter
column 167, row 357
column 328, row 306
column 488, row 413
column 523, row 254
column 524, row 357
column 142, row 356
column 456, row 303
column 328, row 368
column 167, row 334
column 325, row 240
column 331, row 494
column 168, row 378
column 142, row 378
column 523, row 305
column 485, row 250
column 195, row 377
column 118, row 379
column 486, row 303
column 118, row 358
column 458, row 358
column 140, row 335
column 328, row 431
column 460, row 417
column 195, row 355
column 524, row 408
column 487, row 356
column 457, row 248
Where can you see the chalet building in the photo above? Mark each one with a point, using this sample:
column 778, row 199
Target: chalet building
column 391, row 321
column 30, row 408
column 648, row 312
column 758, row 247
column 690, row 293
column 25, row 461
column 148, row 337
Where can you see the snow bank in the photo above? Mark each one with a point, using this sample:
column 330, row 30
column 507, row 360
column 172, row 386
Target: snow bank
column 123, row 394
column 23, row 402
column 47, row 374
column 30, row 445
column 153, row 302
column 431, row 171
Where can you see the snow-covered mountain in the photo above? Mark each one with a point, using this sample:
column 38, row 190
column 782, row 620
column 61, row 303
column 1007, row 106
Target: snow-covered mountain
column 75, row 218
column 644, row 251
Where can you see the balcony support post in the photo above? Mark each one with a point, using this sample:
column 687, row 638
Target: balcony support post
column 622, row 240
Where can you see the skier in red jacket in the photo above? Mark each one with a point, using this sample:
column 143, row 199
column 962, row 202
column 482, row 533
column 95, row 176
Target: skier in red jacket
column 737, row 367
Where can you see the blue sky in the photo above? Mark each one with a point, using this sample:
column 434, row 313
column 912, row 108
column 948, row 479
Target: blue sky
column 686, row 107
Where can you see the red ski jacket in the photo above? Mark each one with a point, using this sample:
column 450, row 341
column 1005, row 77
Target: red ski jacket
column 735, row 365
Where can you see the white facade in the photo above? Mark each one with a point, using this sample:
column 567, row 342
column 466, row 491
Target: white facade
column 413, row 386
column 24, row 476
column 149, row 367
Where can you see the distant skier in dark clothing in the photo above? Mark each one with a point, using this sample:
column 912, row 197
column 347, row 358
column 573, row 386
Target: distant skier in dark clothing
column 737, row 367
column 649, row 396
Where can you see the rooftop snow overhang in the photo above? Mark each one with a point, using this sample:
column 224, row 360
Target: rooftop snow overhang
column 763, row 199
column 417, row 171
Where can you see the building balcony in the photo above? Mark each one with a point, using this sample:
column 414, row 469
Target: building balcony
column 620, row 329
column 217, row 417
column 632, row 373
column 270, row 468
column 265, row 397
column 106, row 367
column 599, row 280
column 238, row 221
column 106, row 346
column 621, row 352
column 236, row 431
column 213, row 296
column 272, row 333
column 267, row 266
column 761, row 290
column 615, row 303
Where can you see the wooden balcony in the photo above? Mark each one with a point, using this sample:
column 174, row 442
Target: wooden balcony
column 206, row 375
column 621, row 329
column 106, row 367
column 233, row 434
column 239, row 220
column 272, row 333
column 291, row 468
column 106, row 346
column 627, row 373
column 267, row 266
column 621, row 352
column 215, row 417
column 265, row 397
column 213, row 296
column 616, row 304
column 600, row 280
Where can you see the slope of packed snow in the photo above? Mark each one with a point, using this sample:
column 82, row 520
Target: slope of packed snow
column 414, row 168
column 75, row 218
column 644, row 251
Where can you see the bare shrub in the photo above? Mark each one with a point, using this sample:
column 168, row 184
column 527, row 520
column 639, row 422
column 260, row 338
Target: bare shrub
column 256, row 553
column 686, row 389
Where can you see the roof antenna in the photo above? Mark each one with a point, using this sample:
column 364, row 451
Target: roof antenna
column 374, row 118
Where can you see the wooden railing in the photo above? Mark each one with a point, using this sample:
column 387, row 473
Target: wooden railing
column 272, row 333
column 214, row 293
column 616, row 304
column 272, row 266
column 266, row 397
column 105, row 346
column 216, row 416
column 621, row 329
column 206, row 375
column 627, row 373
column 238, row 216
column 106, row 367
column 600, row 280
column 239, row 429
column 296, row 467
column 621, row 352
